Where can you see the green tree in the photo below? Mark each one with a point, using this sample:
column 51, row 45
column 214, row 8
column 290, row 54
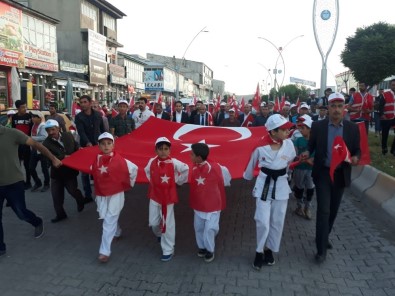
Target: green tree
column 369, row 54
column 292, row 92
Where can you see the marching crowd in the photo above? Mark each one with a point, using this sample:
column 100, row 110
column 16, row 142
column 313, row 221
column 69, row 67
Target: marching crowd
column 298, row 135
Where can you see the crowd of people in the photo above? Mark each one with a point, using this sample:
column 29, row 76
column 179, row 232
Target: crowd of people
column 298, row 135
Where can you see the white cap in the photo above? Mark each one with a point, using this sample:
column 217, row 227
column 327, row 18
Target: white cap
column 287, row 103
column 106, row 136
column 312, row 92
column 11, row 112
column 162, row 139
column 51, row 123
column 123, row 102
column 231, row 110
column 305, row 119
column 277, row 121
column 263, row 104
column 222, row 104
column 336, row 97
column 304, row 105
column 292, row 106
column 37, row 113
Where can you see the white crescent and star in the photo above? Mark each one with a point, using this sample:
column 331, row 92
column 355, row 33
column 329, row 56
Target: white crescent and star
column 103, row 169
column 245, row 133
column 200, row 180
column 165, row 179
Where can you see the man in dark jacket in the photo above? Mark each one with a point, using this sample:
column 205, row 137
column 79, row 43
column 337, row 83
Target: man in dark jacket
column 179, row 115
column 329, row 194
column 62, row 145
column 89, row 125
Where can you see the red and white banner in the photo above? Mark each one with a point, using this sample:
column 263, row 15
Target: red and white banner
column 229, row 146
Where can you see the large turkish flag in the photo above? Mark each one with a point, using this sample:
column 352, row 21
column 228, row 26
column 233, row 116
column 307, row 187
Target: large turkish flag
column 229, row 146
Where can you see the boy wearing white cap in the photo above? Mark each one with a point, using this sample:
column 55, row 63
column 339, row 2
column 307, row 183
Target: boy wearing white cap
column 163, row 173
column 271, row 189
column 113, row 176
column 302, row 172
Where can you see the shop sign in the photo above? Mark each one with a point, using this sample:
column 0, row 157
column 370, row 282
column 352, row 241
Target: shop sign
column 33, row 52
column 97, row 45
column 97, row 72
column 41, row 65
column 75, row 68
column 12, row 58
column 11, row 28
column 158, row 85
column 140, row 85
column 117, row 80
column 116, row 70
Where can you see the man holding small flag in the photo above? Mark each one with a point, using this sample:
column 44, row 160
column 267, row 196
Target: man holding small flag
column 336, row 144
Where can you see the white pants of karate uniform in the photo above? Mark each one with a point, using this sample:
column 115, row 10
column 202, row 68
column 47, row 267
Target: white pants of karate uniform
column 206, row 228
column 269, row 218
column 110, row 229
column 109, row 209
column 168, row 238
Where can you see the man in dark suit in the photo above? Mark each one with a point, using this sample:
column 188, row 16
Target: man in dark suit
column 179, row 115
column 329, row 194
column 203, row 117
column 159, row 113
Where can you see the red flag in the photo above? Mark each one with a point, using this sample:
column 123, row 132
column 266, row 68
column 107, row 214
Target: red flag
column 217, row 105
column 282, row 104
column 210, row 119
column 194, row 100
column 276, row 107
column 114, row 113
column 242, row 104
column 223, row 142
column 363, row 143
column 248, row 120
column 256, row 102
column 74, row 108
column 160, row 99
column 297, row 104
column 340, row 153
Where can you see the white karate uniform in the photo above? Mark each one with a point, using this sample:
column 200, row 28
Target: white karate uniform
column 168, row 238
column 270, row 214
column 206, row 224
column 109, row 209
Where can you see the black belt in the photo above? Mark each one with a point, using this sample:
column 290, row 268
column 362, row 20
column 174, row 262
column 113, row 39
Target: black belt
column 271, row 174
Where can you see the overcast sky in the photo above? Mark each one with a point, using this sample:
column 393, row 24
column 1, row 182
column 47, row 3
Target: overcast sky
column 231, row 48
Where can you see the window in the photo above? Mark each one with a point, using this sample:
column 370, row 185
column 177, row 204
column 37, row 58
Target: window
column 39, row 33
column 90, row 11
column 108, row 21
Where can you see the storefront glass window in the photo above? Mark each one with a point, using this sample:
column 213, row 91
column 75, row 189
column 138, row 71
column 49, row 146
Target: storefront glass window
column 3, row 90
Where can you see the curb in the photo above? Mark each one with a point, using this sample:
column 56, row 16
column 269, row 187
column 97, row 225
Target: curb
column 375, row 187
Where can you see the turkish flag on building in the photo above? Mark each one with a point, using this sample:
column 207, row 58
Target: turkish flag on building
column 340, row 153
column 139, row 146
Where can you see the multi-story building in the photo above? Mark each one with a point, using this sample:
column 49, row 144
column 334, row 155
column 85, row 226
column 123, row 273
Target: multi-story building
column 134, row 68
column 87, row 47
column 28, row 54
column 198, row 72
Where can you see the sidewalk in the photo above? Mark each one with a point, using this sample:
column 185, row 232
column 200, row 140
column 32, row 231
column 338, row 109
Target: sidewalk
column 64, row 261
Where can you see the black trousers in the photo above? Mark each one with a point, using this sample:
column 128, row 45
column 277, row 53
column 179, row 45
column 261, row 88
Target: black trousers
column 385, row 129
column 328, row 202
column 57, row 190
column 24, row 155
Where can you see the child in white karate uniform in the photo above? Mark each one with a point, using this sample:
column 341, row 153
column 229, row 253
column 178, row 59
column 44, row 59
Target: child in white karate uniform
column 271, row 188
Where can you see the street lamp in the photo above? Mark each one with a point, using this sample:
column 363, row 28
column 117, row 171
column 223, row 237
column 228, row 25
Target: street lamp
column 279, row 50
column 183, row 58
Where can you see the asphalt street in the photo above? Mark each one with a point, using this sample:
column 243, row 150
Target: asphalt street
column 64, row 261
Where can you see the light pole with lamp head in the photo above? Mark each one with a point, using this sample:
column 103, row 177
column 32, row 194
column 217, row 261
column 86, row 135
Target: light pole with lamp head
column 183, row 59
column 280, row 51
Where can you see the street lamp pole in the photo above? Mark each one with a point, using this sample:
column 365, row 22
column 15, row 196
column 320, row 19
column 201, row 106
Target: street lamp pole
column 279, row 50
column 203, row 30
